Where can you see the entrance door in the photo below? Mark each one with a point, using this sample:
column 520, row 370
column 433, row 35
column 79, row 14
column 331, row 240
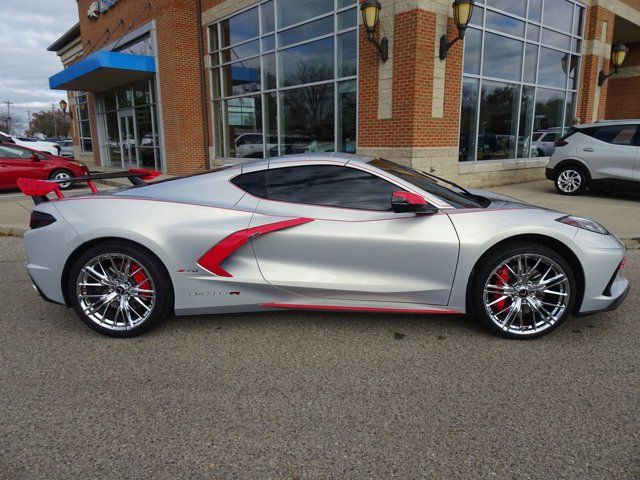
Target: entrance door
column 127, row 139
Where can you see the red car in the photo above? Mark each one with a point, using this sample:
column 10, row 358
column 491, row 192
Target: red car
column 22, row 162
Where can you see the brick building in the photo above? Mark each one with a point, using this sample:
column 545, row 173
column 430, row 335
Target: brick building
column 184, row 85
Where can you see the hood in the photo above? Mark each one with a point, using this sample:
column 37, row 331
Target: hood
column 500, row 201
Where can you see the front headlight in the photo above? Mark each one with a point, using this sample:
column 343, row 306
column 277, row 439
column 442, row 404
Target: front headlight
column 583, row 223
column 80, row 164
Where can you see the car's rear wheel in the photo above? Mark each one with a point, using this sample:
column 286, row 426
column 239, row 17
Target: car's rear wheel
column 571, row 180
column 62, row 174
column 119, row 290
column 524, row 290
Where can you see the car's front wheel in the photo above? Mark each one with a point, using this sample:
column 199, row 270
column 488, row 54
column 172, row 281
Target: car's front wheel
column 119, row 290
column 524, row 290
column 62, row 175
column 571, row 180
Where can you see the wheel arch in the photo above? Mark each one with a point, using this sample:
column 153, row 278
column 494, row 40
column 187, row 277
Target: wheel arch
column 546, row 241
column 573, row 162
column 97, row 241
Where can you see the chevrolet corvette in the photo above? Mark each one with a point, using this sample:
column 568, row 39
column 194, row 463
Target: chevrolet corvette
column 331, row 232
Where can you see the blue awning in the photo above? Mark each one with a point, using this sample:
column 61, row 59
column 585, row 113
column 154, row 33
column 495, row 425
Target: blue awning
column 103, row 70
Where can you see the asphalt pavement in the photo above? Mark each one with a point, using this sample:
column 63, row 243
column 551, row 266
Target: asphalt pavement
column 294, row 395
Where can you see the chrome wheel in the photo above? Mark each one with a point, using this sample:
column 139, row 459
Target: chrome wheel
column 63, row 176
column 527, row 294
column 569, row 181
column 115, row 292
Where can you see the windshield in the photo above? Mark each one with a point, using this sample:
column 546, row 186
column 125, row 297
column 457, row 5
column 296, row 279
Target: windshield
column 425, row 183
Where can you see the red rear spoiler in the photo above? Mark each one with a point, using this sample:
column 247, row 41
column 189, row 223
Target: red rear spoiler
column 38, row 189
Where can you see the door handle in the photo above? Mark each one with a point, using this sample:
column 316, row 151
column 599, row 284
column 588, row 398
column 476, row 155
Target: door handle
column 589, row 149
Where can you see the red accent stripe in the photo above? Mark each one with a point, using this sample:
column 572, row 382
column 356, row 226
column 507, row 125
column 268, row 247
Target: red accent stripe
column 361, row 309
column 212, row 260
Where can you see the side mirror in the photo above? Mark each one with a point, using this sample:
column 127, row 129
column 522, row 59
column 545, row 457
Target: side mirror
column 35, row 157
column 406, row 202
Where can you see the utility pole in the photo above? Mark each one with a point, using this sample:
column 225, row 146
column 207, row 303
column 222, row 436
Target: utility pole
column 8, row 103
column 55, row 123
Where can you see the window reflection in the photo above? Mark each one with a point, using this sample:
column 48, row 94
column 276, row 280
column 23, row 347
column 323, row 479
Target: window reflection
column 558, row 14
column 240, row 28
column 517, row 94
column 309, row 95
column 502, row 57
column 498, row 121
column 552, row 68
column 515, row 7
column 308, row 120
column 468, row 119
column 291, row 12
column 308, row 63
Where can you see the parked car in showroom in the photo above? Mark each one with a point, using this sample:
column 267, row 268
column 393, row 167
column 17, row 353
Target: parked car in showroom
column 39, row 145
column 600, row 155
column 328, row 232
column 544, row 141
column 21, row 162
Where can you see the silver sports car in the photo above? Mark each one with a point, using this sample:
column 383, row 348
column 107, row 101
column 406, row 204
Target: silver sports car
column 316, row 232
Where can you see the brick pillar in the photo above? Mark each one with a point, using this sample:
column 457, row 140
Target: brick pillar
column 180, row 85
column 598, row 36
column 409, row 108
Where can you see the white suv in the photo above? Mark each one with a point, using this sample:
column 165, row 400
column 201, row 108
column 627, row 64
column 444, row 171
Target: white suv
column 598, row 155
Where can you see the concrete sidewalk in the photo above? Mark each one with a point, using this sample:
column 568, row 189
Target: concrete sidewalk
column 619, row 213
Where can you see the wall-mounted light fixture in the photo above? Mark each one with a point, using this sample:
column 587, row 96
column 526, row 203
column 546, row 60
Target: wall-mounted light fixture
column 618, row 56
column 63, row 107
column 370, row 17
column 462, row 12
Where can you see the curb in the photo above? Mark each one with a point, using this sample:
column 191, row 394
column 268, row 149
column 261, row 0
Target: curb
column 629, row 243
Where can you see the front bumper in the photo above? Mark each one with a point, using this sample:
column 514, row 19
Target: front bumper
column 613, row 305
column 550, row 173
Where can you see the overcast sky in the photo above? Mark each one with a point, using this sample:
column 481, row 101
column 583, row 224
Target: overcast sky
column 27, row 28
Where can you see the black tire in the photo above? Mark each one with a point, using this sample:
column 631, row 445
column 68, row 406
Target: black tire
column 571, row 180
column 485, row 273
column 162, row 305
column 60, row 172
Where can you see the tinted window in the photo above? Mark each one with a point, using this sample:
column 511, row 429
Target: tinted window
column 253, row 183
column 10, row 152
column 617, row 135
column 330, row 186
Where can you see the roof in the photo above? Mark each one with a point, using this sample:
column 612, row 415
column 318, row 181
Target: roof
column 600, row 123
column 66, row 38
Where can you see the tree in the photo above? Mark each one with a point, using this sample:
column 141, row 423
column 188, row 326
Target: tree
column 50, row 124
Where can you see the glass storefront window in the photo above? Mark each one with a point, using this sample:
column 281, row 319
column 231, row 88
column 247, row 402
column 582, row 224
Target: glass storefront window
column 83, row 125
column 498, row 121
column 130, row 127
column 469, row 119
column 295, row 88
column 520, row 76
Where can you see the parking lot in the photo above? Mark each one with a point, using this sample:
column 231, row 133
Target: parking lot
column 313, row 395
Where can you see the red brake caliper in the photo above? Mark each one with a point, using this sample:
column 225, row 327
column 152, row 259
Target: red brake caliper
column 503, row 277
column 140, row 278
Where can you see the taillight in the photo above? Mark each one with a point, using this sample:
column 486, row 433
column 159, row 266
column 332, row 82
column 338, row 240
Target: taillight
column 623, row 263
column 41, row 219
column 560, row 143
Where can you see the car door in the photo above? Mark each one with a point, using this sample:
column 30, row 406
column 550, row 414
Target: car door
column 610, row 151
column 636, row 169
column 348, row 244
column 16, row 163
